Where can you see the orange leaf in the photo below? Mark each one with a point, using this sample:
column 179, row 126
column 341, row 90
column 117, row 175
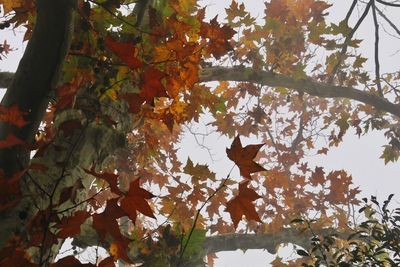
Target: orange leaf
column 242, row 205
column 243, row 157
column 135, row 200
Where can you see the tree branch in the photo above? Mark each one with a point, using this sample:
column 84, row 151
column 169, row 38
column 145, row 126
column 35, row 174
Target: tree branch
column 307, row 85
column 269, row 242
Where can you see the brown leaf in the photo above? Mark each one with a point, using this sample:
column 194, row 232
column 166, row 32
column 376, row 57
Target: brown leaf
column 243, row 157
column 135, row 200
column 71, row 226
column 242, row 205
column 110, row 178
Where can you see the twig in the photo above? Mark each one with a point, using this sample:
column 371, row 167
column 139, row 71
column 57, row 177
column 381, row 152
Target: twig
column 347, row 41
column 388, row 3
column 377, row 64
column 388, row 21
column 198, row 214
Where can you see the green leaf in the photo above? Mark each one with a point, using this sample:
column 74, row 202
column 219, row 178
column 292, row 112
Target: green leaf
column 195, row 244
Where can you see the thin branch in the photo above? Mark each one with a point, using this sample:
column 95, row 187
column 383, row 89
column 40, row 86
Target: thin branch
column 198, row 214
column 347, row 41
column 388, row 3
column 353, row 5
column 388, row 21
column 377, row 64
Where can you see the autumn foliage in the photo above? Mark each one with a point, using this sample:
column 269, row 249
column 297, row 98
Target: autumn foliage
column 106, row 166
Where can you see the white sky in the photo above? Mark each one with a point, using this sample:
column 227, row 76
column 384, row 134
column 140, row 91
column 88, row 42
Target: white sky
column 360, row 157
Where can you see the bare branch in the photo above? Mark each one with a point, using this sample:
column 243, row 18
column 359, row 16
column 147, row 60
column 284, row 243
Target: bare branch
column 353, row 5
column 377, row 65
column 388, row 20
column 388, row 3
column 347, row 41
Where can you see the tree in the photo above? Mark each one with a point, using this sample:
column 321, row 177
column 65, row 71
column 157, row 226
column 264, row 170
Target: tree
column 92, row 119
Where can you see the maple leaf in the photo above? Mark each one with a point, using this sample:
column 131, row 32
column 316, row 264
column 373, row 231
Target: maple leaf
column 13, row 115
column 70, row 261
column 219, row 37
column 110, row 178
column 106, row 222
column 242, row 205
column 71, row 226
column 134, row 101
column 200, row 173
column 151, row 85
column 135, row 200
column 243, row 157
column 9, row 5
column 107, row 262
column 10, row 191
column 125, row 51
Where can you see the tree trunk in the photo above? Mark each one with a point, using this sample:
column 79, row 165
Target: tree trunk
column 31, row 89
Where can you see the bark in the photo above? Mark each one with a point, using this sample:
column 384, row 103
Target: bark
column 31, row 87
column 307, row 85
column 6, row 79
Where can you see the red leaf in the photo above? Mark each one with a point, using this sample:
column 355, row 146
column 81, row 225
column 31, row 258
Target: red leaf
column 242, row 205
column 13, row 115
column 243, row 157
column 107, row 262
column 151, row 85
column 71, row 226
column 106, row 222
column 125, row 51
column 70, row 261
column 10, row 192
column 16, row 257
column 110, row 178
column 134, row 100
column 11, row 140
column 135, row 200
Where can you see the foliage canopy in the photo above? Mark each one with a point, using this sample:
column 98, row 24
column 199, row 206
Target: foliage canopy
column 107, row 90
